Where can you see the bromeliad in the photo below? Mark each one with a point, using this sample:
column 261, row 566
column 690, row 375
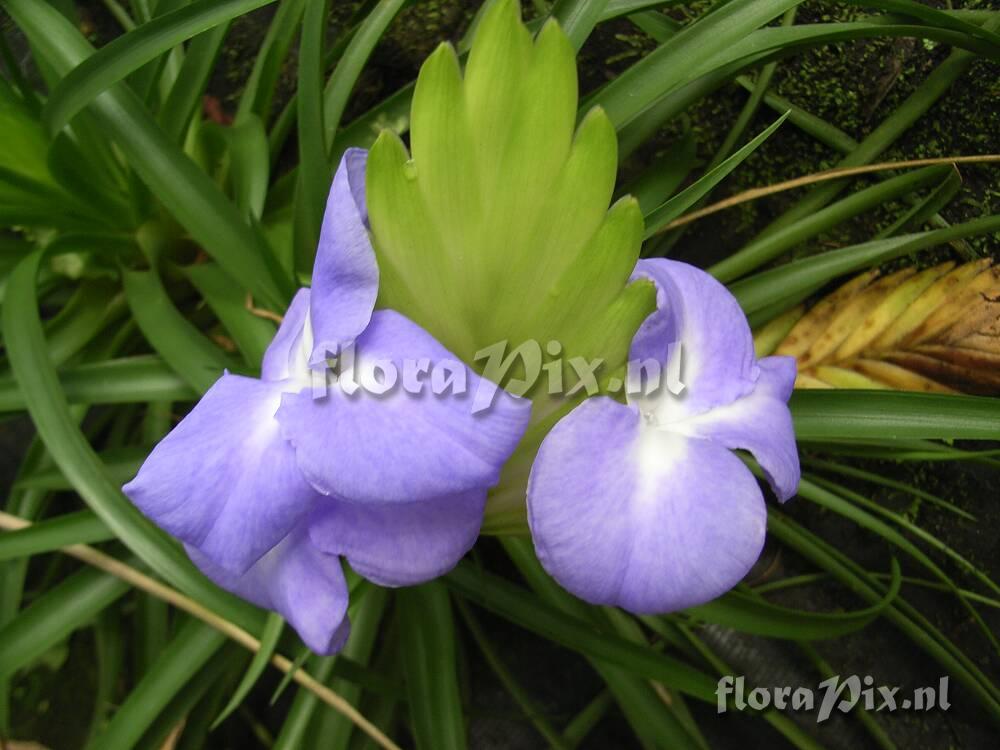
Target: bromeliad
column 495, row 227
column 495, row 231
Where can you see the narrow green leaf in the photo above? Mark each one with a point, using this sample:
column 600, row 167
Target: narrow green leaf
column 126, row 54
column 759, row 251
column 391, row 114
column 345, row 75
column 665, row 174
column 655, row 722
column 578, row 18
column 510, row 684
column 249, row 165
column 925, row 209
column 932, row 16
column 670, row 65
column 808, row 123
column 751, row 614
column 151, row 625
column 529, row 611
column 93, row 181
column 145, row 80
column 789, row 729
column 914, row 625
column 314, row 170
column 109, row 645
column 868, row 476
column 45, row 402
column 299, row 717
column 82, row 527
column 617, row 8
column 268, row 643
column 54, row 615
column 227, row 299
column 880, row 736
column 736, row 131
column 182, row 346
column 777, row 285
column 93, row 305
column 847, row 415
column 428, row 646
column 186, row 191
column 195, row 704
column 184, row 99
column 25, row 91
column 919, row 102
column 659, row 26
column 584, row 722
column 173, row 670
column 260, row 87
column 752, row 105
column 116, row 381
column 906, row 450
column 366, row 619
column 703, row 75
column 771, row 43
column 26, row 504
column 863, row 511
column 676, row 206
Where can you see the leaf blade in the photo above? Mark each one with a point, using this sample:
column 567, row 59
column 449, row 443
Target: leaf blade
column 129, row 52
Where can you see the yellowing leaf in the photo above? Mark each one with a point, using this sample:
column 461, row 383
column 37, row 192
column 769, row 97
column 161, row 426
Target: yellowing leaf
column 935, row 330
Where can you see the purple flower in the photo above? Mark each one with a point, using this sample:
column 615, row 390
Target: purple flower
column 645, row 505
column 267, row 483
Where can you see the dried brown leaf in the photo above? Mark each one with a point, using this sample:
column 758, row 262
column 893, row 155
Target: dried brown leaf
column 936, row 330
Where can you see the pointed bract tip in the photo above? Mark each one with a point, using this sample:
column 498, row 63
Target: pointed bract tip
column 552, row 29
column 440, row 68
column 388, row 141
column 627, row 204
column 505, row 10
column 596, row 113
column 596, row 128
column 627, row 212
column 444, row 53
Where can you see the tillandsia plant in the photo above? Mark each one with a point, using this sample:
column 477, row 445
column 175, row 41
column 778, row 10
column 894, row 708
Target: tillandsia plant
column 266, row 481
column 352, row 398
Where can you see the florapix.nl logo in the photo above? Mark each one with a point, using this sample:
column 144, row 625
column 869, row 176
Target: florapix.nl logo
column 523, row 369
column 835, row 693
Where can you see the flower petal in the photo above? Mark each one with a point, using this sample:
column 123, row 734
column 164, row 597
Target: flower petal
column 356, row 162
column 399, row 544
column 761, row 423
column 717, row 363
column 290, row 349
column 625, row 514
column 401, row 446
column 224, row 480
column 345, row 276
column 302, row 584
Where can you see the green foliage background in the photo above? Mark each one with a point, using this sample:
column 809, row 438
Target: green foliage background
column 135, row 227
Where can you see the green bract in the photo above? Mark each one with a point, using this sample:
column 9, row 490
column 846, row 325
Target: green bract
column 497, row 229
